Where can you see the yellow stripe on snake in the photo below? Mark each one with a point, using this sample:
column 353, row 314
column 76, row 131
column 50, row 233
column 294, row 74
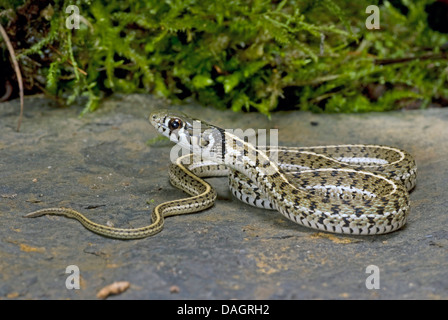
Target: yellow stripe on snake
column 350, row 189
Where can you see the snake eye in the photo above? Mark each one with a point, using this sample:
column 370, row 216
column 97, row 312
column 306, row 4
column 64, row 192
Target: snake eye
column 174, row 124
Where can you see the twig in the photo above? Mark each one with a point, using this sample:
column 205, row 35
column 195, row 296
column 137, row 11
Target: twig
column 8, row 91
column 435, row 56
column 17, row 70
column 69, row 62
column 316, row 81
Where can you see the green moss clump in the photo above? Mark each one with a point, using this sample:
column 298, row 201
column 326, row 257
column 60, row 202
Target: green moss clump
column 239, row 54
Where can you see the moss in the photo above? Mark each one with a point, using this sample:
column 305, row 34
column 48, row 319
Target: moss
column 238, row 54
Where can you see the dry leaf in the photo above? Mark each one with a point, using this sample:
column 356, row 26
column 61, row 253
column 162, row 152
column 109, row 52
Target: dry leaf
column 174, row 289
column 114, row 288
column 27, row 248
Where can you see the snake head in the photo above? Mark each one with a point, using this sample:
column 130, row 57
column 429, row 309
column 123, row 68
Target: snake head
column 198, row 136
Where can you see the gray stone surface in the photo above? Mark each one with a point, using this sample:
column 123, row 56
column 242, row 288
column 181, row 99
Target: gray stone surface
column 101, row 165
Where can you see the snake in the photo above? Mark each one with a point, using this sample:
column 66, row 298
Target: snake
column 356, row 189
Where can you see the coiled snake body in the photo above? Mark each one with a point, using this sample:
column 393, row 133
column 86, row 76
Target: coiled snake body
column 351, row 189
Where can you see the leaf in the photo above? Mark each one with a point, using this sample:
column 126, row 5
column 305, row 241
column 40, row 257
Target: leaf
column 201, row 81
column 252, row 67
column 230, row 81
column 53, row 77
column 240, row 101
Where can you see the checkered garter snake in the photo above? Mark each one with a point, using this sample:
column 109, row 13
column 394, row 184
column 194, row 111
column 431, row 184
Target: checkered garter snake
column 350, row 189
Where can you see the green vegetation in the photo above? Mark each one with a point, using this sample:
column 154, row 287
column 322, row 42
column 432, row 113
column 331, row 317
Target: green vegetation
column 240, row 54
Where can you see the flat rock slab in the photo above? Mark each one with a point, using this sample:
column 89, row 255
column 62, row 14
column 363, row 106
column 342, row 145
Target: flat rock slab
column 102, row 165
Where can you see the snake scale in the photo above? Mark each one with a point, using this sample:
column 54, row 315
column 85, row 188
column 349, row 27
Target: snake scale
column 349, row 189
